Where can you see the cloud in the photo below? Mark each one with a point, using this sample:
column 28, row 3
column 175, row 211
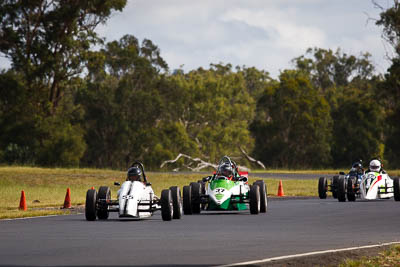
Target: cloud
column 260, row 33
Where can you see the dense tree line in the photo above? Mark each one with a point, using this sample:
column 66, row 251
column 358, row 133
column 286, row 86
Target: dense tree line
column 62, row 103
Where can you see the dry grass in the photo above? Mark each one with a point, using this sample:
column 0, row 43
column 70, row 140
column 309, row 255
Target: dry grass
column 390, row 257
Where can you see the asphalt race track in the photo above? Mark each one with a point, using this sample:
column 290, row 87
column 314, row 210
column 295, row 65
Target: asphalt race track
column 290, row 226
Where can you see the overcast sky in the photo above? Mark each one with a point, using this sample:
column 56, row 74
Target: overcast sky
column 266, row 34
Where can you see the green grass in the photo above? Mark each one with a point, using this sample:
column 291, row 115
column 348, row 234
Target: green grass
column 389, row 257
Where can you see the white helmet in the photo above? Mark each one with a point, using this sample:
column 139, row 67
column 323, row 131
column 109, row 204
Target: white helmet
column 375, row 165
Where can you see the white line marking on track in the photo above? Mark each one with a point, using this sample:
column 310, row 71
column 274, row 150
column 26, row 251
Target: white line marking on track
column 308, row 254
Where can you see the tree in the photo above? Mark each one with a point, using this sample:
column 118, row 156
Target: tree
column 122, row 102
column 357, row 130
column 215, row 108
column 349, row 84
column 47, row 41
column 388, row 93
column 292, row 127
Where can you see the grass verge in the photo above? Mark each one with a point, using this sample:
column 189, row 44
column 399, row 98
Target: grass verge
column 389, row 257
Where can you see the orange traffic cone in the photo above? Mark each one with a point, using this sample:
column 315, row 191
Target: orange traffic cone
column 22, row 202
column 67, row 201
column 280, row 189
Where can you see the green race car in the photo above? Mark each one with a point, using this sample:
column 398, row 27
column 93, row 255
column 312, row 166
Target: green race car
column 226, row 190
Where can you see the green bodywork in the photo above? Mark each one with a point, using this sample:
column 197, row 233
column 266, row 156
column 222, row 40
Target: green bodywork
column 226, row 205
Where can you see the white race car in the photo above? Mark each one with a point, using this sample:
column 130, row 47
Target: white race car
column 136, row 199
column 371, row 185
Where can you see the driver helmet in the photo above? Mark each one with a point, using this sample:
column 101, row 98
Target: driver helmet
column 226, row 170
column 134, row 174
column 357, row 167
column 375, row 165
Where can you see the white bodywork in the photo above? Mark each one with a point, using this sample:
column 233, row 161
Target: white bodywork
column 374, row 182
column 131, row 195
column 215, row 194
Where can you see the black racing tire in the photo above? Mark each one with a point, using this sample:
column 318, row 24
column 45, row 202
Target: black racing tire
column 351, row 195
column 322, row 187
column 104, row 193
column 263, row 195
column 177, row 201
column 341, row 193
column 334, row 185
column 255, row 203
column 196, row 193
column 167, row 209
column 90, row 205
column 203, row 192
column 396, row 188
column 187, row 200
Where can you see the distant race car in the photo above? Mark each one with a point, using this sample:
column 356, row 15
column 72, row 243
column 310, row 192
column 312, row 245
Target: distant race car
column 371, row 185
column 136, row 199
column 331, row 184
column 226, row 190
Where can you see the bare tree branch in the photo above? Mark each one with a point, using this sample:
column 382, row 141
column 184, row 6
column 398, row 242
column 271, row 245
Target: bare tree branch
column 201, row 164
column 251, row 159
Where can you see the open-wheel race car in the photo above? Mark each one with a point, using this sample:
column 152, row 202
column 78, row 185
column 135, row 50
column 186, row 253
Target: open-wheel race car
column 331, row 184
column 136, row 199
column 226, row 190
column 371, row 185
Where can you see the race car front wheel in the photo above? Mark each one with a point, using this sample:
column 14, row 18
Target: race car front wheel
column 341, row 192
column 90, row 205
column 187, row 200
column 177, row 201
column 104, row 196
column 334, row 185
column 196, row 192
column 255, row 199
column 351, row 195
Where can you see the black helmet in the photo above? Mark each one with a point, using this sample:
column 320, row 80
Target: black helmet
column 134, row 174
column 226, row 170
column 357, row 165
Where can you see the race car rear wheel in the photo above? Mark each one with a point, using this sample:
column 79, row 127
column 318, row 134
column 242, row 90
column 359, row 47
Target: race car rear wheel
column 334, row 185
column 90, row 205
column 322, row 187
column 196, row 192
column 177, row 202
column 255, row 204
column 167, row 209
column 104, row 193
column 396, row 188
column 263, row 195
column 351, row 195
column 187, row 200
column 341, row 193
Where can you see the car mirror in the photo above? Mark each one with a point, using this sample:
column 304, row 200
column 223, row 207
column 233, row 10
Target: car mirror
column 205, row 179
column 116, row 183
column 243, row 178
